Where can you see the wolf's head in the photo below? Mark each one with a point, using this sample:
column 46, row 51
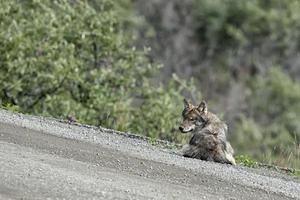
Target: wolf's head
column 193, row 116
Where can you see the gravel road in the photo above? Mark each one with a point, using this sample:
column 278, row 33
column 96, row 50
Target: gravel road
column 43, row 158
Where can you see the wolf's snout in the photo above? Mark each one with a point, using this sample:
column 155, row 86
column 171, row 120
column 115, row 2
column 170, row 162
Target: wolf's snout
column 181, row 128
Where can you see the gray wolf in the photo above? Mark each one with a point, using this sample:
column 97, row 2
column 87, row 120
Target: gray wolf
column 208, row 141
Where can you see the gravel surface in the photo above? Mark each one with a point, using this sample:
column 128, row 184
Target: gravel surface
column 43, row 158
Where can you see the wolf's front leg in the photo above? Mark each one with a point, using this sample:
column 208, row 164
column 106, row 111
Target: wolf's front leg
column 225, row 157
column 188, row 150
column 183, row 150
column 230, row 158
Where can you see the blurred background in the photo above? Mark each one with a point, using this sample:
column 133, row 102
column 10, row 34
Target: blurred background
column 128, row 64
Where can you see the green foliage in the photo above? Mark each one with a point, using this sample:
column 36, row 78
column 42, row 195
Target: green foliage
column 159, row 113
column 275, row 107
column 296, row 173
column 10, row 107
column 231, row 24
column 246, row 161
column 247, row 130
column 245, row 36
column 61, row 58
column 278, row 97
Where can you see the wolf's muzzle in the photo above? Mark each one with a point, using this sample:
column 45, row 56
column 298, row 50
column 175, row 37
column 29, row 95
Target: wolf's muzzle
column 181, row 128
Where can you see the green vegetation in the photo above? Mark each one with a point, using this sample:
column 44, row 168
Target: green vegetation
column 259, row 33
column 61, row 58
column 246, row 161
column 234, row 25
column 275, row 105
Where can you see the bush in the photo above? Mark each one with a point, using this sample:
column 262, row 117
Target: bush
column 159, row 114
column 272, row 124
column 61, row 58
column 235, row 25
column 247, row 38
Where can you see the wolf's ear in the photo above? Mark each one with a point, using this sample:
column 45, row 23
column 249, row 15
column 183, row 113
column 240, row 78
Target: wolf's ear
column 202, row 107
column 187, row 104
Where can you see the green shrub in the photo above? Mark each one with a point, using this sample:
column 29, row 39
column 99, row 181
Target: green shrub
column 272, row 124
column 247, row 37
column 159, row 113
column 234, row 25
column 246, row 161
column 60, row 58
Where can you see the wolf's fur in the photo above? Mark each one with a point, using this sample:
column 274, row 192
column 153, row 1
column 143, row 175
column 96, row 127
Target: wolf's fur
column 208, row 141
